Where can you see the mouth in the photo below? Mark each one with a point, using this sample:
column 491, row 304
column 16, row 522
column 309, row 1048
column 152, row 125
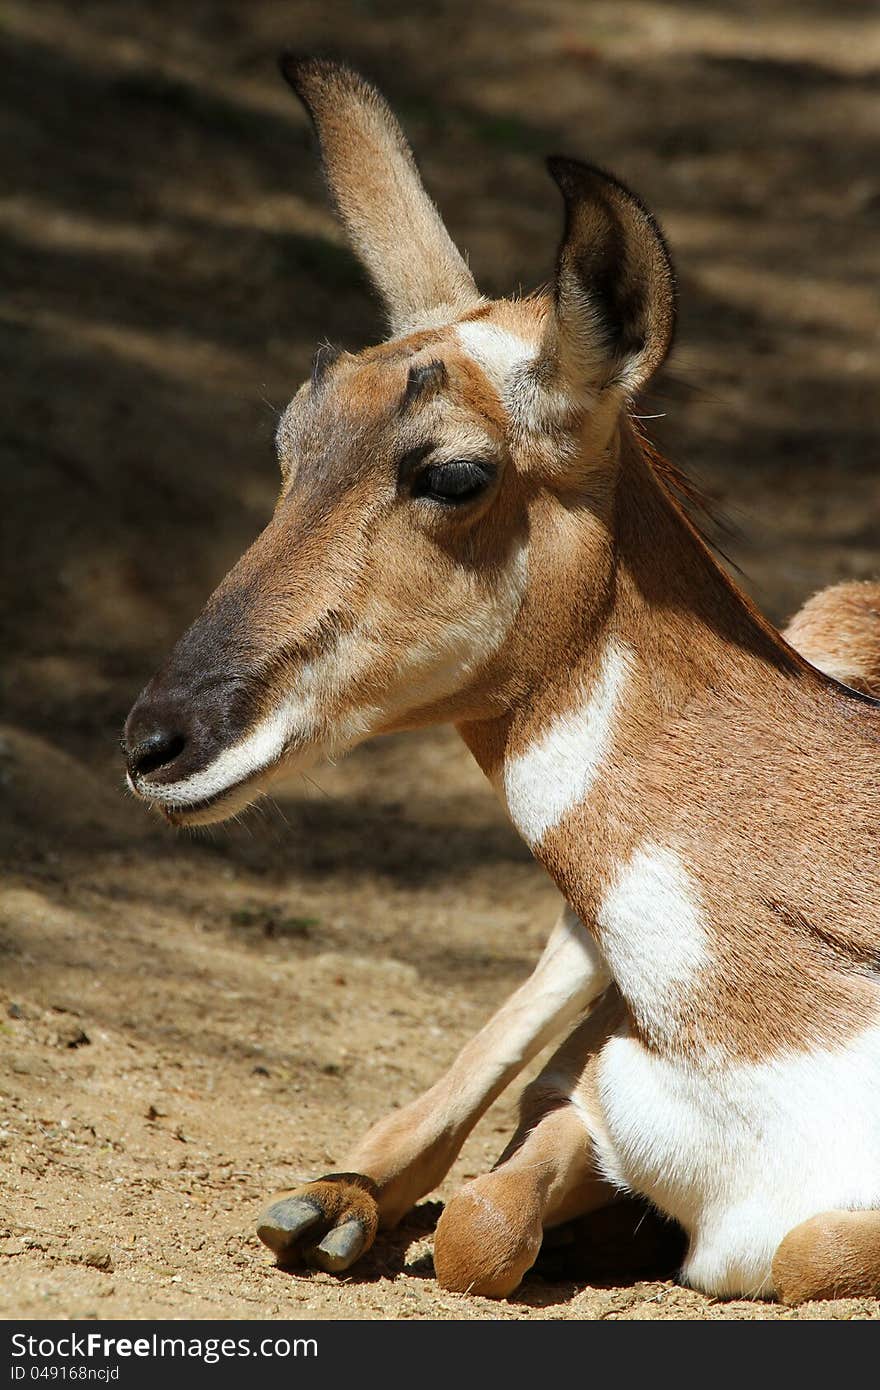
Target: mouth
column 206, row 810
column 195, row 813
column 236, row 777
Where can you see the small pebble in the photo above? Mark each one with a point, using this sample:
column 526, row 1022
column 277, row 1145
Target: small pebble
column 99, row 1258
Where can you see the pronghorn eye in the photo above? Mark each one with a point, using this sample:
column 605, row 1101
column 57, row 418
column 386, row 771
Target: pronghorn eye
column 457, row 481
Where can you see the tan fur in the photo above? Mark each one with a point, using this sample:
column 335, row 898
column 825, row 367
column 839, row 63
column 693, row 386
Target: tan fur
column 491, row 1231
column 612, row 247
column 833, row 1255
column 371, row 604
column 737, row 688
column 393, row 224
column 838, row 630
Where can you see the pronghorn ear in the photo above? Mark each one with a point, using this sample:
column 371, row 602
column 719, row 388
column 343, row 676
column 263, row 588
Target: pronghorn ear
column 615, row 285
column 392, row 223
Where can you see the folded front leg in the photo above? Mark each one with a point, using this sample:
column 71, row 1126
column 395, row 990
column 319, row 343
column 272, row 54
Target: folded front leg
column 491, row 1231
column 331, row 1222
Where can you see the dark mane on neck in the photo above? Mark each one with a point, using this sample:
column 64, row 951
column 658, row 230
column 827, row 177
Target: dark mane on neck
column 690, row 504
column 690, row 498
column 685, row 506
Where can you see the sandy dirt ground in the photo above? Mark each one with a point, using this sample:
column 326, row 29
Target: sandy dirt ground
column 190, row 1023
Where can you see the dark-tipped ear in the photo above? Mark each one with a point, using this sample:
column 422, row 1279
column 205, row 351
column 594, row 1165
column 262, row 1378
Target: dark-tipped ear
column 392, row 223
column 615, row 285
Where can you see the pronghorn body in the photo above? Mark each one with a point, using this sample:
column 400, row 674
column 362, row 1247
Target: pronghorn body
column 838, row 630
column 688, row 804
column 471, row 530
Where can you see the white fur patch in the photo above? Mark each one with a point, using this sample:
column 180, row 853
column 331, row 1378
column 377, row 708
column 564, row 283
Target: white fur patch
column 557, row 772
column 499, row 352
column 741, row 1153
column 653, row 932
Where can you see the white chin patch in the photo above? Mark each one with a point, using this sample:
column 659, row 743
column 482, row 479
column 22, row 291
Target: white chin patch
column 205, row 811
column 238, row 776
column 256, row 753
column 222, row 807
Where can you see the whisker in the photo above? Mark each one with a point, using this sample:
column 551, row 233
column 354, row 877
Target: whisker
column 312, row 783
column 270, row 801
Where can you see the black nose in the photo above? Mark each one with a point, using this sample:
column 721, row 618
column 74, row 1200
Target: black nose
column 153, row 750
column 179, row 724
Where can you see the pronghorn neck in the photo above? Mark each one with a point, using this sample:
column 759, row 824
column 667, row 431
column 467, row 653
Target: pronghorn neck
column 663, row 629
column 691, row 631
column 662, row 768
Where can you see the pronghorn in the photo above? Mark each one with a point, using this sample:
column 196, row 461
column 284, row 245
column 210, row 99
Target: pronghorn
column 471, row 528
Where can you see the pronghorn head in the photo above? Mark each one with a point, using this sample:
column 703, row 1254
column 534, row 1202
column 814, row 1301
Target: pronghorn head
column 426, row 483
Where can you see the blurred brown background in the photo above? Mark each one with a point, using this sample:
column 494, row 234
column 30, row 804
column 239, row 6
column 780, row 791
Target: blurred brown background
column 190, row 1023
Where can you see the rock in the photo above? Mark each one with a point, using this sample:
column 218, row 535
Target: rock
column 64, row 1006
column 99, row 1258
column 29, row 1066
